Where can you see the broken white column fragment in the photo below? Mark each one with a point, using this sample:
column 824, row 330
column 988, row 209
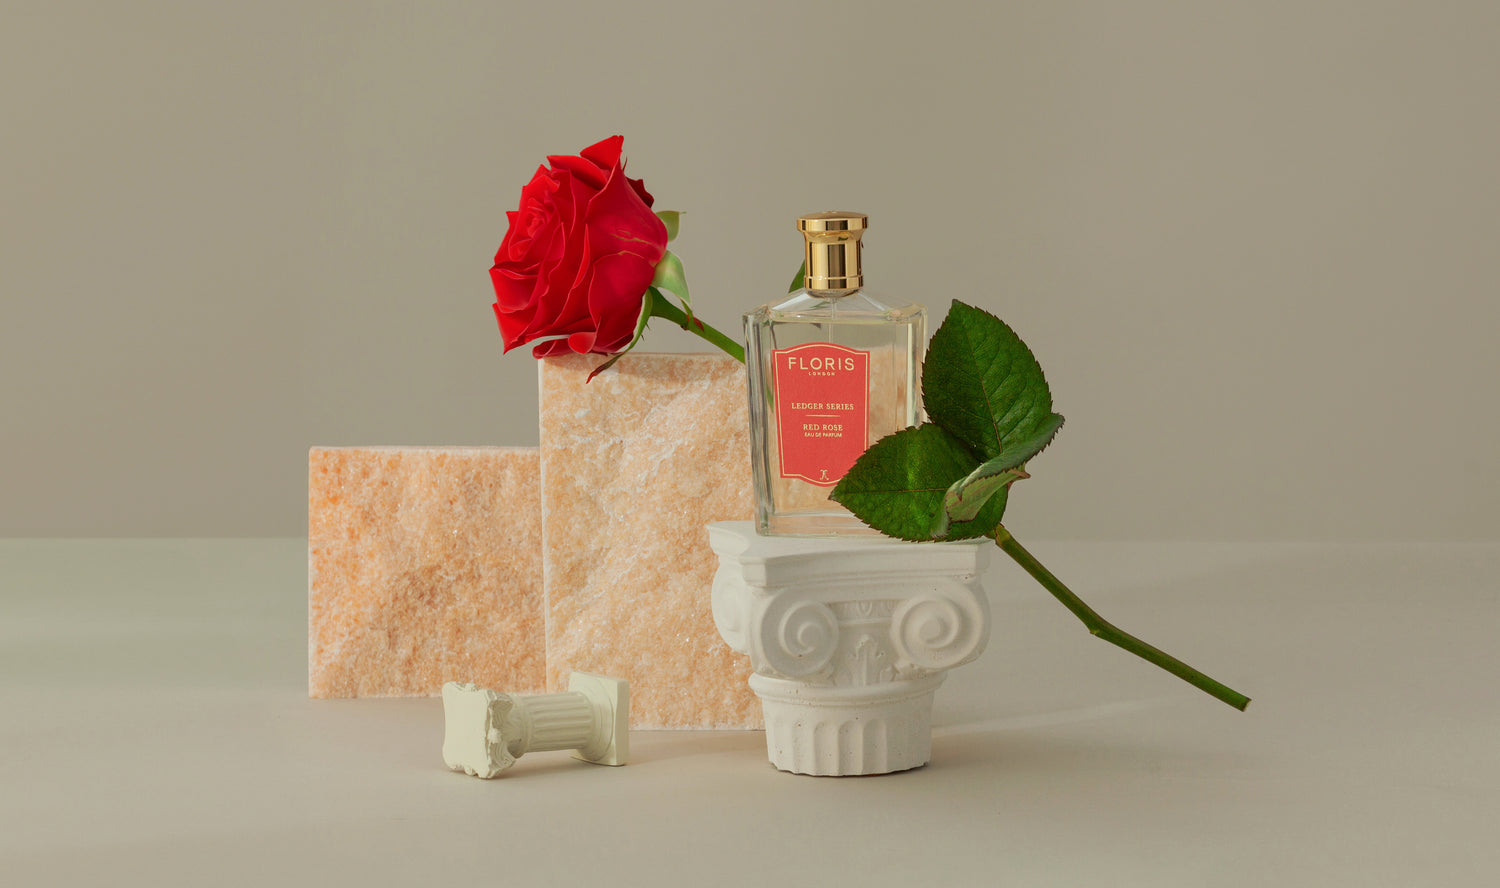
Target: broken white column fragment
column 485, row 731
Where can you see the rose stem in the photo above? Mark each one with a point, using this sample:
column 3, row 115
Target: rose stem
column 661, row 308
column 1101, row 627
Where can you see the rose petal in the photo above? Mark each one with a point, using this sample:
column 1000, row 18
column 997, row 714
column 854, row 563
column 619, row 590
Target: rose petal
column 620, row 222
column 522, row 226
column 550, row 347
column 539, row 190
column 512, row 326
column 513, row 291
column 605, row 153
column 586, row 170
column 582, row 343
column 505, row 242
column 566, row 306
column 640, row 189
column 616, row 288
column 563, row 275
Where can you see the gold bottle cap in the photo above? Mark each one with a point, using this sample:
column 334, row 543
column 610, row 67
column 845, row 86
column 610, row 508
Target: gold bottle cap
column 833, row 258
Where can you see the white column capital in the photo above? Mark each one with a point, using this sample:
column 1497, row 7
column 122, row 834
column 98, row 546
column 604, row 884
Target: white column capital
column 848, row 635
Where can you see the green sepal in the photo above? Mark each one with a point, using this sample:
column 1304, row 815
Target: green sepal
column 648, row 303
column 670, row 276
column 969, row 495
column 670, row 219
column 800, row 280
column 983, row 384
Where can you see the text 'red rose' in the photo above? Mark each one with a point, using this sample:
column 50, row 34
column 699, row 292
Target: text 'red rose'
column 579, row 254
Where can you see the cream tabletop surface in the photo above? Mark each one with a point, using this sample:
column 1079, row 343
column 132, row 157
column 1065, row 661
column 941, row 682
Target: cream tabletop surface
column 155, row 729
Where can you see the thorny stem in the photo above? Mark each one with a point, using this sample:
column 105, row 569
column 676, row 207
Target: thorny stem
column 1101, row 627
column 661, row 308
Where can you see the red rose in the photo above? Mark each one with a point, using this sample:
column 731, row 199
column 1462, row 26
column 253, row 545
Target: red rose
column 579, row 254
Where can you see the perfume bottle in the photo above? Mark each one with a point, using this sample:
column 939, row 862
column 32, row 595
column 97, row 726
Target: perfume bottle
column 833, row 368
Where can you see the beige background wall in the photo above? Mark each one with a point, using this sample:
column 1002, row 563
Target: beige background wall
column 1254, row 245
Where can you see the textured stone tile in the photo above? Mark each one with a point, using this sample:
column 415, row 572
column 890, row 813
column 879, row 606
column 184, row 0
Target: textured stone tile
column 635, row 465
column 424, row 566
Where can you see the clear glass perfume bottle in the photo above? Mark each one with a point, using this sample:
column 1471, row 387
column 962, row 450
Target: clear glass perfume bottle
column 833, row 368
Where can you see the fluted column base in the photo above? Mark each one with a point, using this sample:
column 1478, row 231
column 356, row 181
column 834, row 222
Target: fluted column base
column 840, row 732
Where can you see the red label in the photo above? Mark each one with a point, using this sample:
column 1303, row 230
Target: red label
column 822, row 415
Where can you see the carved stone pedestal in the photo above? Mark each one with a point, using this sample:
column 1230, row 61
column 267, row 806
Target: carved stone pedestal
column 849, row 638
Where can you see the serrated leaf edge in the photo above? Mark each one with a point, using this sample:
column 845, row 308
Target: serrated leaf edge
column 987, row 414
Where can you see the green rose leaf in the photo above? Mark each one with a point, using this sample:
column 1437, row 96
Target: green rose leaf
column 982, row 383
column 898, row 485
column 969, row 495
column 800, row 280
column 670, row 218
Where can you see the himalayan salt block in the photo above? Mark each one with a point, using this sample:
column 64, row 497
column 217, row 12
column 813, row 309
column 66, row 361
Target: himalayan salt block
column 635, row 465
column 424, row 566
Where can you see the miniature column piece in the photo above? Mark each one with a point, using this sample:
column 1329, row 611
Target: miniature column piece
column 485, row 732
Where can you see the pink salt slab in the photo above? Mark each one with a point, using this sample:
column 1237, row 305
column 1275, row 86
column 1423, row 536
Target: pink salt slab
column 634, row 467
column 424, row 566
